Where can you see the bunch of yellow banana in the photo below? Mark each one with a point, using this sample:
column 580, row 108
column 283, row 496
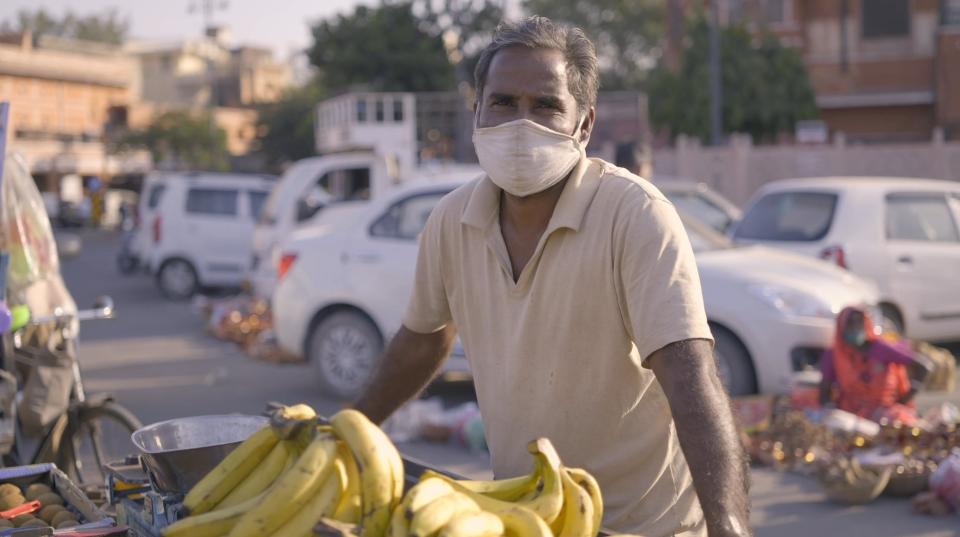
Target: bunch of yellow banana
column 285, row 480
column 551, row 501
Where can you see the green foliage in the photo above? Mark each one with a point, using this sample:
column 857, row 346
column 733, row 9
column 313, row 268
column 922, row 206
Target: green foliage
column 468, row 23
column 765, row 86
column 382, row 49
column 179, row 140
column 287, row 125
column 625, row 32
column 105, row 27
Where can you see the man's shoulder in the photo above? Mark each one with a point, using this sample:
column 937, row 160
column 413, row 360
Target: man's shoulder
column 627, row 192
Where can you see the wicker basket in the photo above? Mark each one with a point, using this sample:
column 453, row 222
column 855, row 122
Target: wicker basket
column 864, row 490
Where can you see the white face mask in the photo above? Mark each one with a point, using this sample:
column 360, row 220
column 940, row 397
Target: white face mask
column 523, row 158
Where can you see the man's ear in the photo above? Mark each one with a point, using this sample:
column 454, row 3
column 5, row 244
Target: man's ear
column 586, row 127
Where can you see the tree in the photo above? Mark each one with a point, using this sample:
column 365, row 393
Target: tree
column 765, row 86
column 466, row 27
column 626, row 33
column 287, row 125
column 105, row 27
column 382, row 48
column 179, row 140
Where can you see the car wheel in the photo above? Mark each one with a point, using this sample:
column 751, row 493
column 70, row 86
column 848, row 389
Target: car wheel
column 344, row 349
column 733, row 364
column 177, row 279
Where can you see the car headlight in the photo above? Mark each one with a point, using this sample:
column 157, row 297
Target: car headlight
column 792, row 302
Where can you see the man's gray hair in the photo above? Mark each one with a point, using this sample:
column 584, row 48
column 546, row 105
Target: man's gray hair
column 583, row 73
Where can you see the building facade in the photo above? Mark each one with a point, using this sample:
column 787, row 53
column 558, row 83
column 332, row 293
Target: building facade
column 882, row 70
column 61, row 94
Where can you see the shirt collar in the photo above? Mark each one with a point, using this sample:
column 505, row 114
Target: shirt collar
column 484, row 204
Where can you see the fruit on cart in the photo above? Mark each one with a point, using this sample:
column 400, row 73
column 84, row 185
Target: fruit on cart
column 62, row 516
column 10, row 501
column 4, row 523
column 34, row 523
column 8, row 488
column 67, row 524
column 36, row 490
column 50, row 498
column 20, row 520
column 552, row 500
column 345, row 479
column 347, row 471
column 48, row 512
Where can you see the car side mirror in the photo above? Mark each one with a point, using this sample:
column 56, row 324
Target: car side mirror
column 307, row 209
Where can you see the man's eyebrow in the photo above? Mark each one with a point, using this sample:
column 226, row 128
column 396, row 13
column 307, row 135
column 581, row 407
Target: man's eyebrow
column 501, row 97
column 550, row 100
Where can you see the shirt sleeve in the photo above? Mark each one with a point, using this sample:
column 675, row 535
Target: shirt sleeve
column 428, row 310
column 661, row 292
column 888, row 353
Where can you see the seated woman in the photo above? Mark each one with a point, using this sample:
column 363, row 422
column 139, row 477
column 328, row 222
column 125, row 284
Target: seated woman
column 868, row 376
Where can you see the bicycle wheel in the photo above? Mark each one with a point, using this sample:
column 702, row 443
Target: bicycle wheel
column 100, row 435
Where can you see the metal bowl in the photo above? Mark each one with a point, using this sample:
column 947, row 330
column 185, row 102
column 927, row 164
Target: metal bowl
column 178, row 453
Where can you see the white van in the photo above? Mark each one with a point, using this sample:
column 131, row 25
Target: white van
column 306, row 191
column 199, row 228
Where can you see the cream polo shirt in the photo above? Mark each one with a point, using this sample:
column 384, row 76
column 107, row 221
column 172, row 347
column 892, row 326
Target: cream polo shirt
column 559, row 353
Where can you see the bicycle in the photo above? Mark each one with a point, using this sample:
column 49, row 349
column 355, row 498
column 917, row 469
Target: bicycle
column 93, row 431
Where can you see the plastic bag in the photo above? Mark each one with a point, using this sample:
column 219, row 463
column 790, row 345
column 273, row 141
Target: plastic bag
column 25, row 230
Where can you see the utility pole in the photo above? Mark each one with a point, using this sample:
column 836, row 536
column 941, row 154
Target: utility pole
column 716, row 83
column 207, row 8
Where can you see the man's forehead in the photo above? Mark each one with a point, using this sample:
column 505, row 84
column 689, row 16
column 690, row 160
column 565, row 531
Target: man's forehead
column 516, row 70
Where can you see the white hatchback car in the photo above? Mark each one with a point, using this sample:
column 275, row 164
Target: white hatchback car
column 199, row 229
column 902, row 233
column 343, row 291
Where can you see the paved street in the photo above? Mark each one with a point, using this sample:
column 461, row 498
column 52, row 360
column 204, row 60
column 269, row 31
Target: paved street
column 158, row 362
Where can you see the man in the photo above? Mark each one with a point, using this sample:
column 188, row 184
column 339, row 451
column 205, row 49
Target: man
column 868, row 376
column 575, row 293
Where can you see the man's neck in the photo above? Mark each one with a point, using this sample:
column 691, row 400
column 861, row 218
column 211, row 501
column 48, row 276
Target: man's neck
column 531, row 212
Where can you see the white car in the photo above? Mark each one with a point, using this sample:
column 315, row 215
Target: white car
column 308, row 190
column 343, row 291
column 199, row 229
column 701, row 202
column 901, row 233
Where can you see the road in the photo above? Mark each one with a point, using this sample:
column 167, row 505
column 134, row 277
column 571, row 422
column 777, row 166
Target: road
column 157, row 360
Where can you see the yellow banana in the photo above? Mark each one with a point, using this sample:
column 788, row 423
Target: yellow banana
column 508, row 490
column 212, row 524
column 292, row 491
column 547, row 504
column 578, row 509
column 231, row 471
column 319, row 506
column 589, row 484
column 350, row 503
column 261, row 477
column 333, row 528
column 298, row 412
column 377, row 458
column 521, row 522
column 435, row 515
column 419, row 496
column 479, row 524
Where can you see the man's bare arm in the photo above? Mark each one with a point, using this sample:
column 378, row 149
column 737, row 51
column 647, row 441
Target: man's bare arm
column 409, row 364
column 708, row 434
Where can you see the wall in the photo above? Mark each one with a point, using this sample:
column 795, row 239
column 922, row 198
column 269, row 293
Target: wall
column 740, row 168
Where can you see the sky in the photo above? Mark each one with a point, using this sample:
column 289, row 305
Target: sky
column 282, row 25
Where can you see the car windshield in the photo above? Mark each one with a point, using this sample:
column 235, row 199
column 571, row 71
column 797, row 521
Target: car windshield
column 703, row 238
column 789, row 216
column 692, row 203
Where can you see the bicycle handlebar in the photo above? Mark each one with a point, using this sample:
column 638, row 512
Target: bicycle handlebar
column 103, row 309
